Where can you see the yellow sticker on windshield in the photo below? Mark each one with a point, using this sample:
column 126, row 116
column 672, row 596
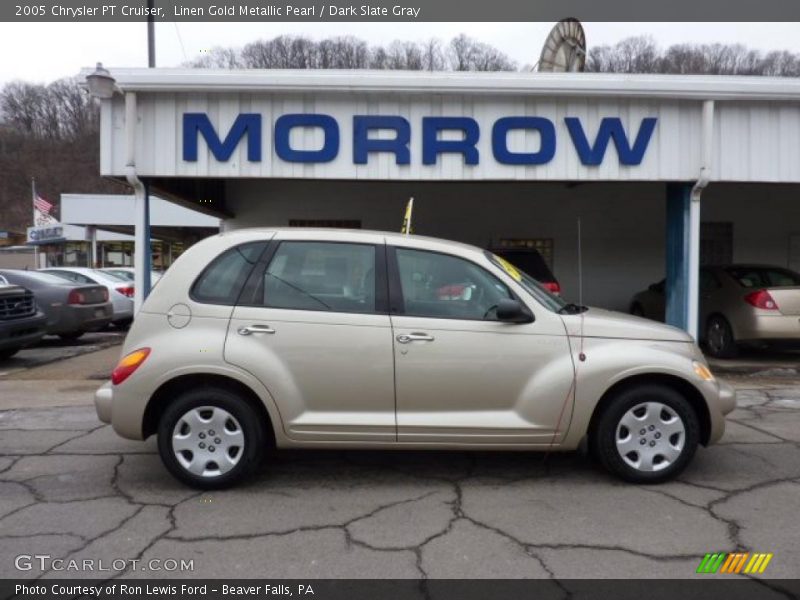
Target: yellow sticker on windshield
column 509, row 268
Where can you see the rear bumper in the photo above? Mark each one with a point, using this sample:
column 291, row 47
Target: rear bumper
column 19, row 333
column 103, row 398
column 725, row 403
column 83, row 318
column 761, row 327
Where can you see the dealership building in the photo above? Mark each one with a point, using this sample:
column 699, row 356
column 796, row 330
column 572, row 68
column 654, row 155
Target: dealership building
column 663, row 172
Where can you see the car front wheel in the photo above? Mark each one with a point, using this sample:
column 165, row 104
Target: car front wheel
column 210, row 438
column 647, row 434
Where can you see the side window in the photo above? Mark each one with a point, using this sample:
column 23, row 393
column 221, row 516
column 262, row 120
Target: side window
column 222, row 280
column 322, row 276
column 444, row 286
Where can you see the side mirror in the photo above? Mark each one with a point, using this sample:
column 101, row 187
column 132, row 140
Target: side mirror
column 512, row 311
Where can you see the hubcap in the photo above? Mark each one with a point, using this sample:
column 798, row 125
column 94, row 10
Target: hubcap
column 208, row 441
column 650, row 436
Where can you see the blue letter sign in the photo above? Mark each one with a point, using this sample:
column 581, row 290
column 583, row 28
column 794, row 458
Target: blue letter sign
column 330, row 144
column 432, row 146
column 363, row 144
column 367, row 141
column 547, row 145
column 195, row 124
column 610, row 128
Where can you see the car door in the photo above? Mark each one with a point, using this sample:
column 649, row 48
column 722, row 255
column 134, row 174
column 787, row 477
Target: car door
column 462, row 376
column 314, row 328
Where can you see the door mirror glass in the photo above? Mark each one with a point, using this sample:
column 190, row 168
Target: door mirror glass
column 512, row 311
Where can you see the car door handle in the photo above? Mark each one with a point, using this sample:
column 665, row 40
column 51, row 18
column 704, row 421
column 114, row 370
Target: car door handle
column 255, row 329
column 407, row 338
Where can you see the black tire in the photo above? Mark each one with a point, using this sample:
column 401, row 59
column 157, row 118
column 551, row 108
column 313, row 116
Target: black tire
column 72, row 336
column 608, row 426
column 248, row 420
column 637, row 310
column 8, row 353
column 720, row 342
column 123, row 325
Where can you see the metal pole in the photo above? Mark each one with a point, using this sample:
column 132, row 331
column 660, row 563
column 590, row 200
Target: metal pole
column 151, row 34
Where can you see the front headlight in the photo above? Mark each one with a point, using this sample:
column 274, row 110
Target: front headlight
column 703, row 372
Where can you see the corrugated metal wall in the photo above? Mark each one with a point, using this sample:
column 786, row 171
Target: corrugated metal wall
column 758, row 141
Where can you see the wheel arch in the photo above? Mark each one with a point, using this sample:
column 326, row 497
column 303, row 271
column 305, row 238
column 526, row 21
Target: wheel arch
column 683, row 387
column 165, row 393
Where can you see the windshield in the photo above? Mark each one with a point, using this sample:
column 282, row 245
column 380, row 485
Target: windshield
column 533, row 287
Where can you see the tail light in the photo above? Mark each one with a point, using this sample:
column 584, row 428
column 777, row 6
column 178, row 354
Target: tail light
column 552, row 286
column 128, row 364
column 105, row 294
column 761, row 299
column 76, row 297
column 126, row 290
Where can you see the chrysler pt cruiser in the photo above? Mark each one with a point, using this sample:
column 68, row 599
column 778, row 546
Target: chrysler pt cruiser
column 354, row 339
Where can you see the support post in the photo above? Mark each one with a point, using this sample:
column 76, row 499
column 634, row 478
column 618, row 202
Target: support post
column 92, row 262
column 141, row 249
column 678, row 267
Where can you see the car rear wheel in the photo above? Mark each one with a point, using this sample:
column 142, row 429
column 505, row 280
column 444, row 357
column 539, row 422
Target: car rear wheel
column 637, row 310
column 720, row 342
column 210, row 438
column 647, row 434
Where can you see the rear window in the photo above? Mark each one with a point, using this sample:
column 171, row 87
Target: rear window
column 763, row 277
column 223, row 279
column 28, row 277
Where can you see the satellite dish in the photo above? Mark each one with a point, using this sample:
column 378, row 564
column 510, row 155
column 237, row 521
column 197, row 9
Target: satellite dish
column 565, row 48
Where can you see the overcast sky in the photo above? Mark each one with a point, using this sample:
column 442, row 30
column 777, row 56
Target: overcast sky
column 47, row 51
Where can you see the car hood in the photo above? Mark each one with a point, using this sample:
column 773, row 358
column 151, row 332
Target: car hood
column 597, row 322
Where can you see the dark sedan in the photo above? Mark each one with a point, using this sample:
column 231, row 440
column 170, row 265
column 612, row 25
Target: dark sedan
column 21, row 323
column 72, row 309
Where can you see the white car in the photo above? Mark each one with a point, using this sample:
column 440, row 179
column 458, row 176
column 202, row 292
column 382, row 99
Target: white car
column 120, row 291
column 127, row 273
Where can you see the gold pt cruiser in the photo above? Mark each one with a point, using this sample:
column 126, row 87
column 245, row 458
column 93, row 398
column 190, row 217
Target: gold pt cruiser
column 354, row 339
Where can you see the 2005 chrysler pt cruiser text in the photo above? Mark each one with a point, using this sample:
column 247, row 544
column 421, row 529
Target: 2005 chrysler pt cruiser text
column 356, row 339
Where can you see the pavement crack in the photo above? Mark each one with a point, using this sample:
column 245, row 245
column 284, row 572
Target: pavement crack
column 77, row 437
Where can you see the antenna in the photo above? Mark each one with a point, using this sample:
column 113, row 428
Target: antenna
column 564, row 49
column 580, row 265
column 581, row 354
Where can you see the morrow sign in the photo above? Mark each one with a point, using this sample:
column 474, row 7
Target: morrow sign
column 364, row 130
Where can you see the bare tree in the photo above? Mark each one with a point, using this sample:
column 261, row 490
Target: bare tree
column 467, row 54
column 298, row 52
column 642, row 55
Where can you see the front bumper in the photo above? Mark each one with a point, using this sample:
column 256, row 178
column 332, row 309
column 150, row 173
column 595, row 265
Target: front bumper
column 19, row 333
column 103, row 398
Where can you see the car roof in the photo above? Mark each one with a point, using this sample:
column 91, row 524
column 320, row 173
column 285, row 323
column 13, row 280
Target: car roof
column 353, row 235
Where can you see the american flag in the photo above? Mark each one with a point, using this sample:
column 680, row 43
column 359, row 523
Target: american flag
column 41, row 204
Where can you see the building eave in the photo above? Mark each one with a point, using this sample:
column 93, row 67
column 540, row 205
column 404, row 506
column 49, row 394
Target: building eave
column 688, row 87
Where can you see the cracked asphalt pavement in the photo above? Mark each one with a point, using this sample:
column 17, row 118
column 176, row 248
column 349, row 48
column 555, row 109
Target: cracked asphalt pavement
column 72, row 489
